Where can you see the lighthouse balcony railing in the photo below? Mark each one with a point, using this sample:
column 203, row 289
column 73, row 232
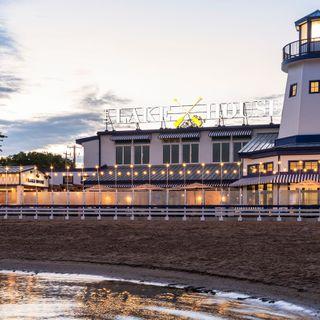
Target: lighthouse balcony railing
column 301, row 49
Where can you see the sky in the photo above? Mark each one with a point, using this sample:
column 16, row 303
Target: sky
column 62, row 63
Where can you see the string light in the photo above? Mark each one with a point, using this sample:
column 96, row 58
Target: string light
column 110, row 172
column 153, row 172
column 145, row 172
column 198, row 171
column 136, row 173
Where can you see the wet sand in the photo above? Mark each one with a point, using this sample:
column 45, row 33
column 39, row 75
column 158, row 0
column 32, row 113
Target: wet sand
column 266, row 259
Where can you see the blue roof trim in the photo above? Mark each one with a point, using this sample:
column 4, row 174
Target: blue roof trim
column 82, row 140
column 311, row 16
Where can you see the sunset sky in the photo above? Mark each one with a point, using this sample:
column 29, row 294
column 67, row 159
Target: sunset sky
column 63, row 62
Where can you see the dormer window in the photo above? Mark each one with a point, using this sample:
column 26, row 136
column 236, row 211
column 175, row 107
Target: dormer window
column 293, row 90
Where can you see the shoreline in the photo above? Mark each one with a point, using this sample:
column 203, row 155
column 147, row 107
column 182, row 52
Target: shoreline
column 190, row 280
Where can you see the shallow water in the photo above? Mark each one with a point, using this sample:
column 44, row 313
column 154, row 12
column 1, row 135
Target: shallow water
column 64, row 296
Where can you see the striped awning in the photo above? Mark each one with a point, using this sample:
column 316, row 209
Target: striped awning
column 296, row 178
column 229, row 133
column 251, row 181
column 131, row 137
column 181, row 135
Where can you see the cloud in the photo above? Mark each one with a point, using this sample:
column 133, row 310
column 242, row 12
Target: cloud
column 7, row 43
column 56, row 130
column 9, row 84
column 93, row 99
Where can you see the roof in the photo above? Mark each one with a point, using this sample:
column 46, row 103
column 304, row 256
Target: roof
column 127, row 137
column 15, row 169
column 243, row 132
column 160, row 174
column 225, row 129
column 311, row 16
column 251, row 181
column 181, row 135
column 280, row 178
column 261, row 142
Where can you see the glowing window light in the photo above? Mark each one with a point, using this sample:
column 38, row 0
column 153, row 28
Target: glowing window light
column 315, row 29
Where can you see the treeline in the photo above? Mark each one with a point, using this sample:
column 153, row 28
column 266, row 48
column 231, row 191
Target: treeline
column 42, row 160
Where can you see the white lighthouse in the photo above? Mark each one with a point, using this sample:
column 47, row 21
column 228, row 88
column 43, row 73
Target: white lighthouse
column 301, row 61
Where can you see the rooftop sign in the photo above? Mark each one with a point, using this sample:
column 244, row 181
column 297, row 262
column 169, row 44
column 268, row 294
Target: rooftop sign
column 260, row 111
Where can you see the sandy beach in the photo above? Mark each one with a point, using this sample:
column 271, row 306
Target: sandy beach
column 265, row 259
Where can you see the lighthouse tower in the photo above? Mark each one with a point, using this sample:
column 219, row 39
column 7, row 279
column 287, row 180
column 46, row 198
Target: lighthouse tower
column 300, row 124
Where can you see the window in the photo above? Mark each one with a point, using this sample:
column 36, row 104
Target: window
column 237, row 146
column 123, row 154
column 190, row 153
column 221, row 152
column 310, row 165
column 293, row 90
column 314, row 86
column 141, row 154
column 315, row 29
column 261, row 168
column 225, row 157
column 295, row 166
column 170, row 153
column 216, row 153
column 304, row 33
column 67, row 180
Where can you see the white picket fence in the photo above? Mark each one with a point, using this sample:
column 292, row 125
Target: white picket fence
column 166, row 213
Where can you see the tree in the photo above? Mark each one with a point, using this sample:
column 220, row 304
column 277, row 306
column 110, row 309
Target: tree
column 42, row 160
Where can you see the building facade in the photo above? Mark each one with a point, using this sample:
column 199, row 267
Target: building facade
column 290, row 160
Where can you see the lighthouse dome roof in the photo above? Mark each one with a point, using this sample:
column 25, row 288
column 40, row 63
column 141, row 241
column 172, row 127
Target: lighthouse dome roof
column 311, row 16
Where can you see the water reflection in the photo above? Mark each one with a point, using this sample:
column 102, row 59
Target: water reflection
column 54, row 296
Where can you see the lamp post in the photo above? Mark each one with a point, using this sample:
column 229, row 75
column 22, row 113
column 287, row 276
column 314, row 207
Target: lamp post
column 202, row 182
column 167, row 184
column 67, row 167
column 132, row 189
column 51, row 183
column 98, row 179
column 6, row 185
column 116, row 183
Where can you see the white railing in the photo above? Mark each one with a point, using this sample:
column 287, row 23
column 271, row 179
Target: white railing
column 166, row 213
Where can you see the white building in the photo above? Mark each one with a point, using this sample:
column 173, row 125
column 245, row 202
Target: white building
column 290, row 160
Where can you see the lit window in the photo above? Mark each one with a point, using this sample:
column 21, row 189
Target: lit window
column 314, row 86
column 293, row 90
column 315, row 30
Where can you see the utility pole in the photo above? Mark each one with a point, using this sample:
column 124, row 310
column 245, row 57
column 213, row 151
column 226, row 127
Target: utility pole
column 73, row 153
